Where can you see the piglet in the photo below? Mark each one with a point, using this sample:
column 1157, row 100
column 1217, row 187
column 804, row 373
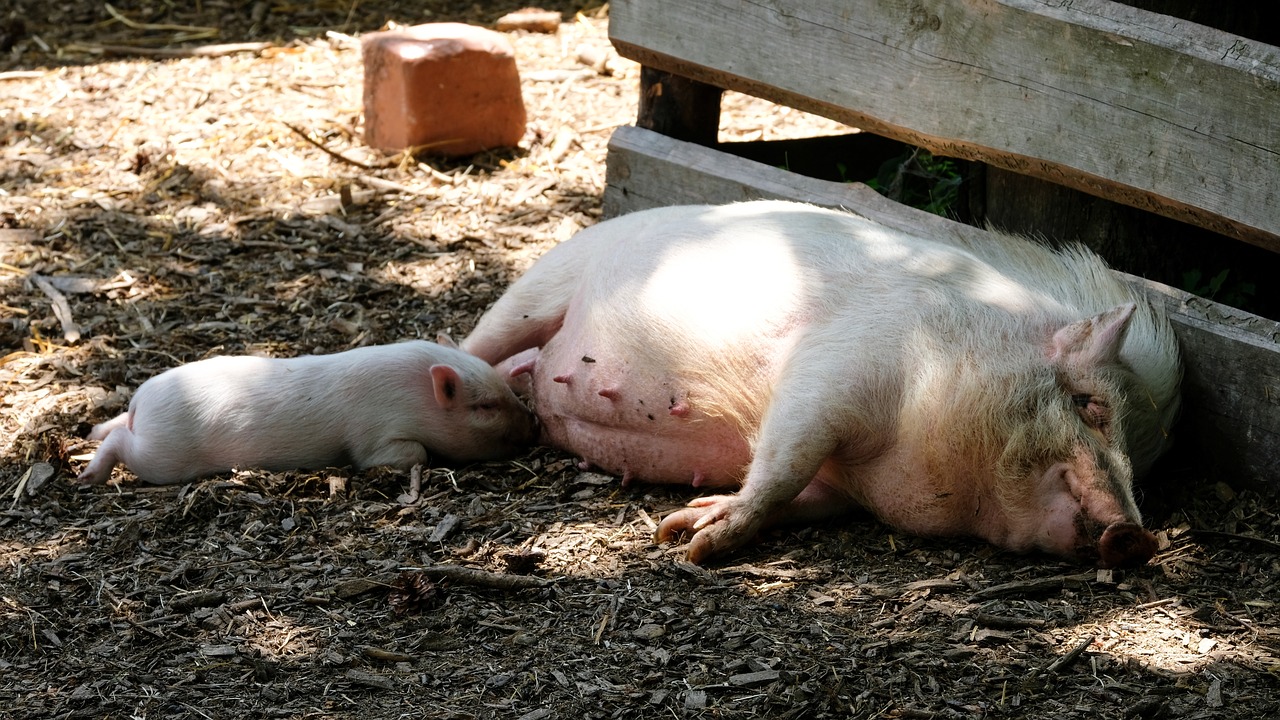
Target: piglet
column 379, row 405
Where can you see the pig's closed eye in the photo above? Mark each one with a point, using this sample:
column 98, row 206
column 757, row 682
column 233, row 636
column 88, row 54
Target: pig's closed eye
column 1092, row 410
column 486, row 406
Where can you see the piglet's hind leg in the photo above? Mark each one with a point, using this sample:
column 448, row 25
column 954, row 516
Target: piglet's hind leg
column 98, row 471
column 102, row 430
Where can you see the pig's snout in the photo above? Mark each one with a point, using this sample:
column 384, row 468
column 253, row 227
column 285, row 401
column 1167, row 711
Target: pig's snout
column 1126, row 545
column 1103, row 526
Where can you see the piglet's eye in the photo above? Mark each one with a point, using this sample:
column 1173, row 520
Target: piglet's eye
column 1081, row 401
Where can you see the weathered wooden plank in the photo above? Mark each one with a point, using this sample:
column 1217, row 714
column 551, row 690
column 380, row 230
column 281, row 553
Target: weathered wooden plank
column 1151, row 111
column 1231, row 385
column 647, row 169
column 1231, row 391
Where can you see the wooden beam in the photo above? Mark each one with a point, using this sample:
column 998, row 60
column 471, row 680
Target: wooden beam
column 1231, row 391
column 1137, row 107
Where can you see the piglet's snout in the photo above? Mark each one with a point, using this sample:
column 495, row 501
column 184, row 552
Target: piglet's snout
column 1125, row 545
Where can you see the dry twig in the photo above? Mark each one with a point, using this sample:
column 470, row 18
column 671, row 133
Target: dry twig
column 216, row 50
column 1070, row 658
column 1271, row 545
column 1027, row 587
column 331, row 153
column 481, row 578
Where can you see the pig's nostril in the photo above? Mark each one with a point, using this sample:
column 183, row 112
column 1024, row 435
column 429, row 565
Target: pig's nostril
column 1126, row 545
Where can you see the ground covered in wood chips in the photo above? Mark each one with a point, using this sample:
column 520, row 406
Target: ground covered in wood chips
column 158, row 210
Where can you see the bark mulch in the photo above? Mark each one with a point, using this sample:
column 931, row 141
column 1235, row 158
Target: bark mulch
column 159, row 205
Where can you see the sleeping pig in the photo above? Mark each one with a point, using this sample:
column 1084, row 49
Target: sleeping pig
column 377, row 405
column 818, row 362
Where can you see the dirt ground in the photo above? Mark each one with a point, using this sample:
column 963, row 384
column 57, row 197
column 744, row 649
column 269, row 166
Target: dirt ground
column 160, row 210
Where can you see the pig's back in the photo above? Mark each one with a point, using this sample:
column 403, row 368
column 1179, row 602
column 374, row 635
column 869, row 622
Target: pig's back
column 731, row 289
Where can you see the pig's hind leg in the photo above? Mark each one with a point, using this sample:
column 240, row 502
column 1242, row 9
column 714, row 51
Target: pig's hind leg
column 518, row 321
column 533, row 309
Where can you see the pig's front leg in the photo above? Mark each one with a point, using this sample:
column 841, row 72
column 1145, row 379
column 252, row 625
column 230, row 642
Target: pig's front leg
column 795, row 439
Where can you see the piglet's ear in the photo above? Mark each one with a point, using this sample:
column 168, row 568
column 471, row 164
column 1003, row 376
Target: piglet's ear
column 445, row 340
column 447, row 384
column 1094, row 341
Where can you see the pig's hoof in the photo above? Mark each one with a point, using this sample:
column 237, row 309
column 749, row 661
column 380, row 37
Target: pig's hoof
column 713, row 525
column 700, row 513
column 90, row 479
column 677, row 525
column 684, row 523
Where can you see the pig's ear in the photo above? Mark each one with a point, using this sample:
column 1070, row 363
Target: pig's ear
column 445, row 340
column 1093, row 341
column 447, row 384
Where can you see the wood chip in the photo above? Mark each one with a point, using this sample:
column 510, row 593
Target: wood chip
column 410, row 496
column 753, row 679
column 381, row 655
column 444, row 528
column 1069, row 659
column 1007, row 623
column 368, row 679
column 32, row 480
column 218, row 650
column 61, row 309
column 1034, row 586
column 649, row 632
column 939, row 584
column 530, row 20
column 197, row 599
column 359, row 586
column 217, row 50
column 481, row 578
column 1213, row 696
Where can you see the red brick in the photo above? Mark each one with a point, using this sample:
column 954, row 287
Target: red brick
column 452, row 87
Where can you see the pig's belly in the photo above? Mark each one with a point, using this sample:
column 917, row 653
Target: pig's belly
column 634, row 424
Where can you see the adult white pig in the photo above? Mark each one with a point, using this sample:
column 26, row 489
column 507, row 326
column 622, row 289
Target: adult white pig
column 823, row 362
column 377, row 405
